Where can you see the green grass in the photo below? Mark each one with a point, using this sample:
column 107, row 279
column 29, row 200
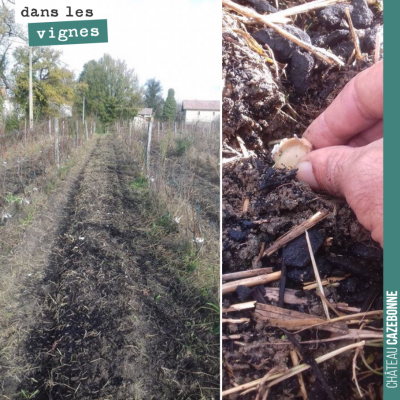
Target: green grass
column 63, row 171
column 11, row 199
column 49, row 188
column 27, row 395
column 140, row 183
column 28, row 218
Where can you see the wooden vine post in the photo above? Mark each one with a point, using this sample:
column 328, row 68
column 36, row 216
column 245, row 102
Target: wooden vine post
column 148, row 146
column 77, row 132
column 86, row 131
column 56, row 142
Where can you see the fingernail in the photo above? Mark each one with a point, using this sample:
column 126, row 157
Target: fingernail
column 305, row 173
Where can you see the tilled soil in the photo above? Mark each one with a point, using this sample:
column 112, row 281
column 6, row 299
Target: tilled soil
column 262, row 102
column 114, row 321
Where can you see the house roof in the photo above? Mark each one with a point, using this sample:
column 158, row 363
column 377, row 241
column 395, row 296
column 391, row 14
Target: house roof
column 202, row 105
column 146, row 111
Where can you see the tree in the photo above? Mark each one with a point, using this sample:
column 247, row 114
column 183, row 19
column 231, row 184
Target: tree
column 169, row 112
column 53, row 84
column 9, row 30
column 110, row 88
column 153, row 96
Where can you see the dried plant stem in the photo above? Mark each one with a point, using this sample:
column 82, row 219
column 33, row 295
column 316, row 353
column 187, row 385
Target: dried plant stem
column 378, row 43
column 354, row 35
column 273, row 295
column 378, row 313
column 329, row 281
column 354, row 366
column 263, row 382
column 242, row 146
column 239, row 307
column 294, row 371
column 323, row 54
column 246, row 274
column 329, row 305
column 354, row 334
column 249, row 282
column 296, row 232
column 296, row 362
column 306, row 7
column 235, row 321
column 316, row 273
column 246, row 205
column 252, row 43
column 231, row 337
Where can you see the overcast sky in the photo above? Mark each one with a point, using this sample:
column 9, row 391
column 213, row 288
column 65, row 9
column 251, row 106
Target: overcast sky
column 176, row 41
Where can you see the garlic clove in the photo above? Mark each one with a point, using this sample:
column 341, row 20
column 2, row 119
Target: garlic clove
column 288, row 152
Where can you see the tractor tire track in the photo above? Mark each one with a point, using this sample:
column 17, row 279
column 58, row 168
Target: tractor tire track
column 114, row 323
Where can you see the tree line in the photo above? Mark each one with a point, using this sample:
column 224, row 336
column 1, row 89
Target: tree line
column 110, row 89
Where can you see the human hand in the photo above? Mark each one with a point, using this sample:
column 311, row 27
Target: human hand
column 348, row 138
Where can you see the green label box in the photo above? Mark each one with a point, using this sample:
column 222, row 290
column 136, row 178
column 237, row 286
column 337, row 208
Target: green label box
column 68, row 32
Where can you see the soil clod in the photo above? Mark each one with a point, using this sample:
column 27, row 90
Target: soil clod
column 296, row 253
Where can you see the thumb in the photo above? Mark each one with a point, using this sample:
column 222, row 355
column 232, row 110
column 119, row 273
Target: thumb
column 353, row 173
column 325, row 169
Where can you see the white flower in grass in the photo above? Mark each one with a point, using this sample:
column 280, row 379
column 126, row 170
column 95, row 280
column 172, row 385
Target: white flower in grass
column 198, row 240
column 178, row 219
column 152, row 179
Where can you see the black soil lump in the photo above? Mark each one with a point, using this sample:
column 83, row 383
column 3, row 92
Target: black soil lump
column 261, row 6
column 296, row 253
column 301, row 275
column 331, row 39
column 344, row 50
column 300, row 70
column 371, row 252
column 361, row 16
column 282, row 47
column 332, row 16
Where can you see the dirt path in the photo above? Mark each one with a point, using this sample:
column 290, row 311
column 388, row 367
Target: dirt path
column 114, row 321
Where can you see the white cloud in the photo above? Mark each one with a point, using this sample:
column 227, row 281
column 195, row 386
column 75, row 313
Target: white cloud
column 177, row 42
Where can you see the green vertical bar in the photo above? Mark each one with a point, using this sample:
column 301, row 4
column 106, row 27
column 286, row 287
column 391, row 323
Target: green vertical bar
column 391, row 272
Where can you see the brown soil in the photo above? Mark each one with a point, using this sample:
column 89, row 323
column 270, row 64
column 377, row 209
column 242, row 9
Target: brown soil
column 112, row 319
column 260, row 108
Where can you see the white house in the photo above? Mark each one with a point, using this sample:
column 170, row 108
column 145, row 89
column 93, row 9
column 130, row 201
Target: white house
column 201, row 110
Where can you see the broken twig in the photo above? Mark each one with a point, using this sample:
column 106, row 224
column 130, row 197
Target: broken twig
column 249, row 282
column 304, row 8
column 293, row 320
column 354, row 35
column 235, row 321
column 316, row 273
column 296, row 362
column 246, row 274
column 239, row 307
column 296, row 232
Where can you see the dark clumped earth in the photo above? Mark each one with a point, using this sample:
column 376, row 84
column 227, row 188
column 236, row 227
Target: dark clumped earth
column 264, row 102
column 113, row 320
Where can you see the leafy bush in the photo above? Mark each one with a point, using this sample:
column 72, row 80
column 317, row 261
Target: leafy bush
column 182, row 145
column 11, row 123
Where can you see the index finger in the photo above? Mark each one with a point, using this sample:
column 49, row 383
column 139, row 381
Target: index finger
column 357, row 107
